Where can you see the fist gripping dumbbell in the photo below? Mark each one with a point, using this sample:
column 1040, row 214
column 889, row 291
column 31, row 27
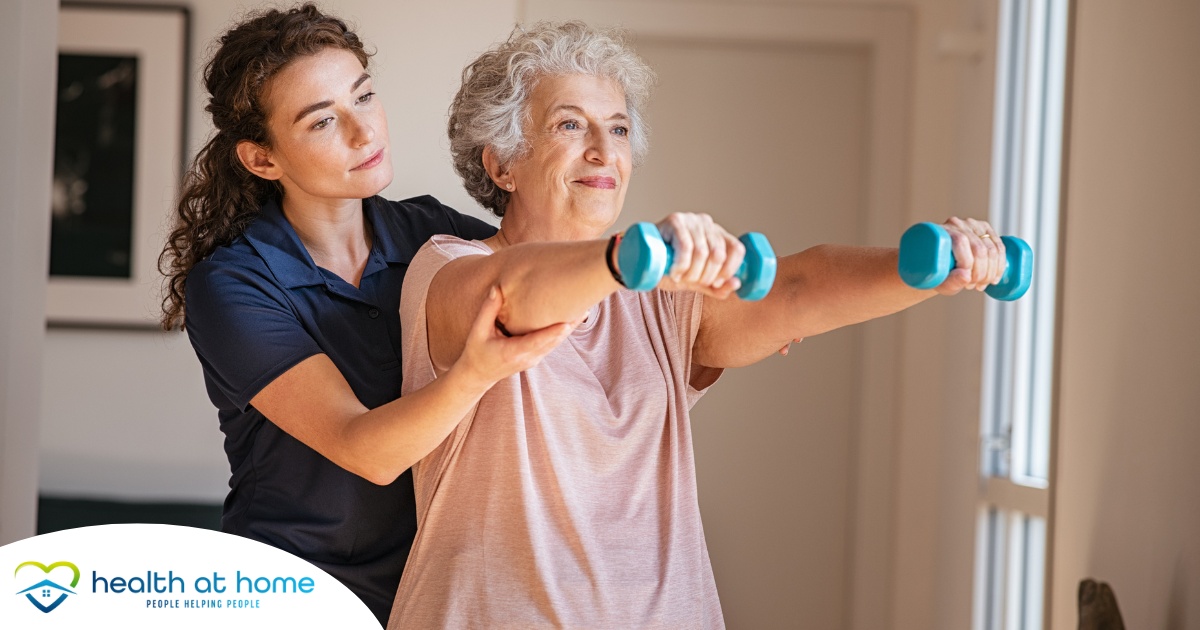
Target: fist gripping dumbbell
column 926, row 258
column 643, row 258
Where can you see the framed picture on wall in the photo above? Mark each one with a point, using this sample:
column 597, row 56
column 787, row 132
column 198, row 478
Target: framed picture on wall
column 118, row 158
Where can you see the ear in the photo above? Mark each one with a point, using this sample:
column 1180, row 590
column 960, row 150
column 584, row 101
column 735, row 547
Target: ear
column 498, row 172
column 257, row 160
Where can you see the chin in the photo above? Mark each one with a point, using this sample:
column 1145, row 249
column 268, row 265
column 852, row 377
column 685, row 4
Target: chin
column 375, row 185
column 602, row 217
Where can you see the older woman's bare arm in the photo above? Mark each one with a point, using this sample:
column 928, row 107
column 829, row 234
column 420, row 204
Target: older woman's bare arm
column 545, row 283
column 817, row 290
column 541, row 284
column 831, row 286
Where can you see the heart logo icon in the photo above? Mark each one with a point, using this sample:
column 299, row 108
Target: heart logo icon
column 45, row 589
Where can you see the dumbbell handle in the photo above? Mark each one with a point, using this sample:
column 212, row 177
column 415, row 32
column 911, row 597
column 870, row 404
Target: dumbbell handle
column 644, row 258
column 927, row 258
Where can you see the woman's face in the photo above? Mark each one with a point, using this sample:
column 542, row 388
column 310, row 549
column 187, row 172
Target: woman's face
column 329, row 135
column 577, row 168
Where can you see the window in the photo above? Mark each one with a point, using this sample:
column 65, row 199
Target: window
column 1011, row 541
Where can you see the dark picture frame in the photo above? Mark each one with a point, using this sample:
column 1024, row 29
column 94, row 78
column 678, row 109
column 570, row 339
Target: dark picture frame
column 119, row 155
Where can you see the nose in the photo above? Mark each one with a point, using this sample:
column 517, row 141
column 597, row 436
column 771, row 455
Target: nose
column 361, row 131
column 601, row 147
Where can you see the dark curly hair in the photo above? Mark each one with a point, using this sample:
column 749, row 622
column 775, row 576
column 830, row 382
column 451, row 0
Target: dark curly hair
column 219, row 198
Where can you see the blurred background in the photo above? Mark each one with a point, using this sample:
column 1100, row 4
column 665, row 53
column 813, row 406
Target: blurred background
column 961, row 465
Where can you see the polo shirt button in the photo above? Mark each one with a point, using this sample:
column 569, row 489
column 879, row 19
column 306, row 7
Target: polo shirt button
column 373, row 313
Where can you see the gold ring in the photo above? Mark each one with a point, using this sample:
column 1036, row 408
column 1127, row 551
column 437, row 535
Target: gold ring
column 985, row 235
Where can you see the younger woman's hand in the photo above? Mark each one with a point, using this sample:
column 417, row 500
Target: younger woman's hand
column 490, row 356
column 706, row 255
column 978, row 255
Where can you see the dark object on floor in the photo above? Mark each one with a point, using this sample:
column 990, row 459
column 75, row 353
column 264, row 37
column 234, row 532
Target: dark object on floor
column 56, row 514
column 1098, row 607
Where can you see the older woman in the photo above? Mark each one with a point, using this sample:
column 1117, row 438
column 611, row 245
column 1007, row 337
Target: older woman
column 567, row 498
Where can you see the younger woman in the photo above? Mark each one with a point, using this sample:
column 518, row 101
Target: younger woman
column 286, row 268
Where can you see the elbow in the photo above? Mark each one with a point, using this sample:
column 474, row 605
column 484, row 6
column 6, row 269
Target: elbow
column 510, row 284
column 380, row 475
column 383, row 479
column 365, row 453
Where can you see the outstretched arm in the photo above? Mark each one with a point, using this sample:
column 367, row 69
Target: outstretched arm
column 830, row 286
column 544, row 283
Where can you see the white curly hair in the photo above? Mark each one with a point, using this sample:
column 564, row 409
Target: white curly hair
column 490, row 108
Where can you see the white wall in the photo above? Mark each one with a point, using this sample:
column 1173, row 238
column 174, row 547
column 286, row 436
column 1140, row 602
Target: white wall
column 27, row 46
column 935, row 437
column 1127, row 504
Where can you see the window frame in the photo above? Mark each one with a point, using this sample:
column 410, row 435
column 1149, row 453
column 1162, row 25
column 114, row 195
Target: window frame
column 1014, row 530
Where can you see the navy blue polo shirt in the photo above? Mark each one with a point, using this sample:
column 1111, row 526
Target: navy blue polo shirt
column 259, row 306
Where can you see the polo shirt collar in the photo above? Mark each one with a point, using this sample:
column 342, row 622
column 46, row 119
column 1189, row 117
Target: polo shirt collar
column 277, row 243
column 285, row 255
column 280, row 247
column 390, row 248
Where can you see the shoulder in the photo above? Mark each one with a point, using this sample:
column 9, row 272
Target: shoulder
column 239, row 259
column 436, row 253
column 231, row 280
column 441, row 249
column 236, row 263
column 417, row 218
column 452, row 247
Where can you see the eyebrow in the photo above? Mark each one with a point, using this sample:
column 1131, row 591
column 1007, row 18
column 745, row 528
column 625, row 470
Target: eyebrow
column 323, row 104
column 578, row 110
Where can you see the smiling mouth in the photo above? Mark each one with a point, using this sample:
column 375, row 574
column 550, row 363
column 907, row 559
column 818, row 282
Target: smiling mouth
column 374, row 160
column 608, row 183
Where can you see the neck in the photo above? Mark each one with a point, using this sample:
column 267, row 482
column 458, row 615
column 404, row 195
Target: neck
column 515, row 228
column 334, row 232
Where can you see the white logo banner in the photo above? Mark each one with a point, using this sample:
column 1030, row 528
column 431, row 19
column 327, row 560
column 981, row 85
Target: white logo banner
column 164, row 576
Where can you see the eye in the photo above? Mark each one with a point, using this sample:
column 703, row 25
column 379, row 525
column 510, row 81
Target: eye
column 366, row 97
column 323, row 123
column 569, row 125
column 621, row 131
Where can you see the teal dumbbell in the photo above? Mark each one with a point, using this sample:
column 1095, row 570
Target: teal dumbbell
column 926, row 259
column 644, row 259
